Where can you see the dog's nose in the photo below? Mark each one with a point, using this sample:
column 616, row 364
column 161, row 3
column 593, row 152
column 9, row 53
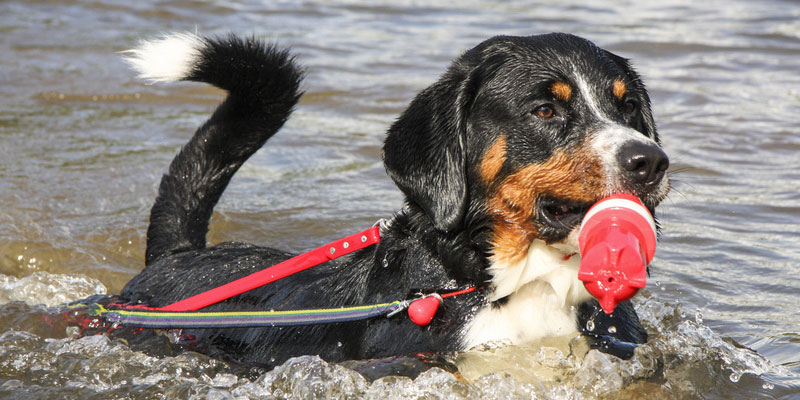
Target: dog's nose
column 643, row 164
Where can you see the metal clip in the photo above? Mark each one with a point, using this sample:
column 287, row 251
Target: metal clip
column 400, row 307
column 384, row 223
column 441, row 300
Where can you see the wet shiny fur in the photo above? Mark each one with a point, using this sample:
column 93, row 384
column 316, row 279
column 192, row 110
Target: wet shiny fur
column 498, row 161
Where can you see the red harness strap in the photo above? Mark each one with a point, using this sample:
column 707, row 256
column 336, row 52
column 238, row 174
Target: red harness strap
column 279, row 271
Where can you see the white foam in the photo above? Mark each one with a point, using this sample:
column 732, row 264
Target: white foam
column 49, row 289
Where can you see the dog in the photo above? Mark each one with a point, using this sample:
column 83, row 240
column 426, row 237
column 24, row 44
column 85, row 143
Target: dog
column 498, row 161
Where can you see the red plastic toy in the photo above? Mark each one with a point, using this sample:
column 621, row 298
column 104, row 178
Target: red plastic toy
column 421, row 311
column 617, row 240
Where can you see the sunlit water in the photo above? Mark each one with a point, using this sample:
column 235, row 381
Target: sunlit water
column 84, row 144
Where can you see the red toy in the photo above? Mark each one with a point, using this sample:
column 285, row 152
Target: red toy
column 617, row 240
column 422, row 311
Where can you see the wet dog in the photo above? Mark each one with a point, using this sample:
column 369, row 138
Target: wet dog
column 498, row 161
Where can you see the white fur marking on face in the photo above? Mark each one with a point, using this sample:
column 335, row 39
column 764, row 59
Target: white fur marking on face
column 607, row 142
column 168, row 59
column 543, row 294
column 589, row 98
column 609, row 138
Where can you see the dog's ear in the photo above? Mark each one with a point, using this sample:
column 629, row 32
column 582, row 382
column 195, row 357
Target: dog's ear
column 647, row 124
column 425, row 149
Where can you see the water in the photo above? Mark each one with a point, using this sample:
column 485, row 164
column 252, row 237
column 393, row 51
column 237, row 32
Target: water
column 84, row 144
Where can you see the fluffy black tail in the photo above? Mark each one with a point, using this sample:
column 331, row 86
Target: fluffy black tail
column 262, row 82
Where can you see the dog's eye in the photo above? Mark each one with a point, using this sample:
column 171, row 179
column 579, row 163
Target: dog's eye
column 630, row 106
column 544, row 111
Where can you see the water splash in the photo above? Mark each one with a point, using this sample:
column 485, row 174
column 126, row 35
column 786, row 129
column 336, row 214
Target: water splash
column 698, row 317
column 687, row 360
column 48, row 289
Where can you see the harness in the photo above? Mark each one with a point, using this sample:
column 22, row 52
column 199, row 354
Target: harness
column 183, row 314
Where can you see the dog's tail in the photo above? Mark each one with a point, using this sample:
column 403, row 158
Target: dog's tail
column 262, row 82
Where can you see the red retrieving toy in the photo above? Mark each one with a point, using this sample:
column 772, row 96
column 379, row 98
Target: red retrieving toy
column 617, row 240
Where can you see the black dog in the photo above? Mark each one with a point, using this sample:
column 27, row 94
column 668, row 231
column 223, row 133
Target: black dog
column 498, row 161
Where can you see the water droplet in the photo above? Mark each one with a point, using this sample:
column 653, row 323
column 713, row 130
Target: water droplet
column 385, row 261
column 338, row 344
column 612, row 329
column 768, row 386
column 658, row 283
column 735, row 376
column 590, row 325
column 572, row 308
column 698, row 317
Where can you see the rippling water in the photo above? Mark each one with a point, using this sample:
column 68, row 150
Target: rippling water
column 84, row 144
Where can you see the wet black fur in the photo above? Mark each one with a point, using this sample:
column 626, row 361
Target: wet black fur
column 438, row 241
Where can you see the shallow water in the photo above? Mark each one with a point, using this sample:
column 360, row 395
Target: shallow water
column 84, row 145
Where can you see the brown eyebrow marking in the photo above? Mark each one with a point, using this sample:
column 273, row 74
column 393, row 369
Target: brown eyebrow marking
column 562, row 90
column 620, row 89
column 493, row 160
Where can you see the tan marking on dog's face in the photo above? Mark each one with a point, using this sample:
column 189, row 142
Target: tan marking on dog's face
column 620, row 89
column 574, row 175
column 563, row 91
column 493, row 160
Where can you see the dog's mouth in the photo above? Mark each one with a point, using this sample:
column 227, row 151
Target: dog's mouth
column 557, row 217
column 560, row 214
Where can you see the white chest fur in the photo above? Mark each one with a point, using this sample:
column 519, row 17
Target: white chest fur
column 543, row 294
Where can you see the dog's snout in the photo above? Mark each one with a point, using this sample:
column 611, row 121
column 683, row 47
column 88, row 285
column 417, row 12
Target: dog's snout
column 643, row 164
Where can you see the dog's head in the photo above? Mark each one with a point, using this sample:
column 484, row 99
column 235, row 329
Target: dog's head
column 528, row 131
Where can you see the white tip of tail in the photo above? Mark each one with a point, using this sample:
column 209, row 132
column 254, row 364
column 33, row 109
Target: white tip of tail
column 168, row 59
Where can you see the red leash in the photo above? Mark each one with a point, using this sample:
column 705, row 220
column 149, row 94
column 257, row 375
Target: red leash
column 279, row 271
